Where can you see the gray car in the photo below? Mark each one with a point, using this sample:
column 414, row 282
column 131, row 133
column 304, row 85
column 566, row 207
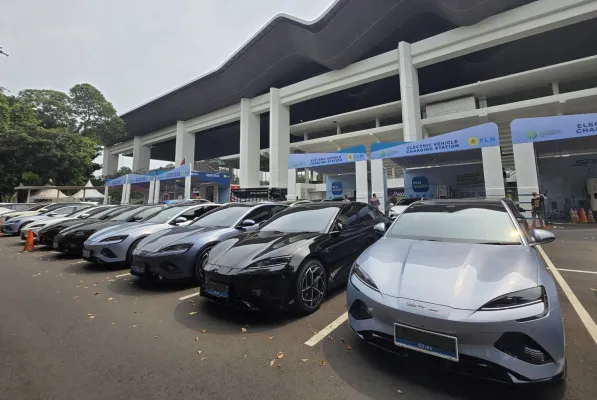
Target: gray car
column 178, row 253
column 14, row 225
column 460, row 280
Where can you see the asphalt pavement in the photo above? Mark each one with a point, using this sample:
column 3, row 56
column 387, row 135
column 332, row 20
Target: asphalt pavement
column 72, row 330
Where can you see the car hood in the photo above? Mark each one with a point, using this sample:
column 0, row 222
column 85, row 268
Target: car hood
column 54, row 220
column 16, row 214
column 185, row 234
column 29, row 218
column 132, row 229
column 68, row 224
column 458, row 275
column 240, row 252
column 93, row 226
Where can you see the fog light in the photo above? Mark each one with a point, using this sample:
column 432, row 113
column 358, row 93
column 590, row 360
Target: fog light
column 108, row 253
column 522, row 347
column 360, row 311
column 171, row 268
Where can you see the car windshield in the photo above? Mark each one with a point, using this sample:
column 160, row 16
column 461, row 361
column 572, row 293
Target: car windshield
column 302, row 219
column 135, row 212
column 89, row 212
column 109, row 214
column 222, row 217
column 461, row 223
column 407, row 202
column 165, row 215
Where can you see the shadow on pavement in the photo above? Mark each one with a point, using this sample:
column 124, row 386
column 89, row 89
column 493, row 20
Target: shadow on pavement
column 85, row 267
column 132, row 286
column 380, row 374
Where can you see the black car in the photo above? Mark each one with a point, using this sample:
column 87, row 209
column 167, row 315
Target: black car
column 46, row 235
column 71, row 240
column 293, row 259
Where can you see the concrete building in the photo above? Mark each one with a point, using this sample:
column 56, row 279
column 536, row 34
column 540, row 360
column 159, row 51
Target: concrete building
column 371, row 72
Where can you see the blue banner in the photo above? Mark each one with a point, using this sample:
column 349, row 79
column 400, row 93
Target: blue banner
column 360, row 148
column 136, row 178
column 121, row 180
column 323, row 159
column 222, row 179
column 529, row 130
column 476, row 137
column 384, row 145
column 176, row 173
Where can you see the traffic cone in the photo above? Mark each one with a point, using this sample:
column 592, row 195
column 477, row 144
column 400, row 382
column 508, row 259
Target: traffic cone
column 590, row 217
column 582, row 217
column 572, row 216
column 30, row 242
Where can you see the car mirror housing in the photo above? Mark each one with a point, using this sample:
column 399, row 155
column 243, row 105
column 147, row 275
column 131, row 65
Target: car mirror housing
column 179, row 220
column 380, row 228
column 247, row 223
column 541, row 236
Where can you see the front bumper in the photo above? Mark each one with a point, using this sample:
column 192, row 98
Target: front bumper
column 255, row 290
column 69, row 244
column 168, row 266
column 10, row 229
column 101, row 253
column 46, row 238
column 476, row 334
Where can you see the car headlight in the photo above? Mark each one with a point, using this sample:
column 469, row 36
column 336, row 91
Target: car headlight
column 7, row 218
column 521, row 298
column 35, row 226
column 363, row 276
column 118, row 238
column 177, row 247
column 271, row 263
column 84, row 233
column 14, row 221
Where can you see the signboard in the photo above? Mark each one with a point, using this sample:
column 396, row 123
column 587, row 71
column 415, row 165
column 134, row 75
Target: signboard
column 176, row 173
column 222, row 179
column 322, row 159
column 465, row 181
column 530, row 130
column 121, row 180
column 136, row 178
column 477, row 137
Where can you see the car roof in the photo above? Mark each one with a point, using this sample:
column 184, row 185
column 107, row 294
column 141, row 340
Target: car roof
column 325, row 204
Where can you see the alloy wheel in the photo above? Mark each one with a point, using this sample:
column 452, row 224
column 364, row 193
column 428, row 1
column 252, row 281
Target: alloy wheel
column 313, row 286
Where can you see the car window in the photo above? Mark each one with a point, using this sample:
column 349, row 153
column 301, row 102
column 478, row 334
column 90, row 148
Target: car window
column 299, row 219
column 64, row 211
column 260, row 214
column 191, row 214
column 349, row 216
column 165, row 214
column 366, row 214
column 462, row 223
column 201, row 211
column 128, row 214
column 222, row 217
column 277, row 209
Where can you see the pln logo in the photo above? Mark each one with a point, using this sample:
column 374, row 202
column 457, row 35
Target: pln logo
column 337, row 188
column 420, row 184
column 350, row 157
column 532, row 135
column 473, row 141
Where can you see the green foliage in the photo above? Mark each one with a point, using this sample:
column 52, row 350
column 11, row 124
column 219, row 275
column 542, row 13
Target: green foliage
column 52, row 107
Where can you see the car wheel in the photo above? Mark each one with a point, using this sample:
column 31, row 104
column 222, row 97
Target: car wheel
column 129, row 253
column 200, row 262
column 311, row 287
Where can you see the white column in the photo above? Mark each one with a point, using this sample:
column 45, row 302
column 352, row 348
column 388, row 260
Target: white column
column 110, row 163
column 187, row 187
column 362, row 185
column 150, row 196
column 291, row 194
column 249, row 146
column 106, row 193
column 141, row 155
column 156, row 193
column 493, row 172
column 126, row 194
column 409, row 94
column 185, row 145
column 28, row 196
column 279, row 140
column 525, row 163
column 377, row 183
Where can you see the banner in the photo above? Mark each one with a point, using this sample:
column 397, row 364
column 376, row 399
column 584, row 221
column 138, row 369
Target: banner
column 176, row 173
column 121, row 180
column 529, row 130
column 322, row 159
column 222, row 179
column 476, row 137
column 464, row 181
column 136, row 178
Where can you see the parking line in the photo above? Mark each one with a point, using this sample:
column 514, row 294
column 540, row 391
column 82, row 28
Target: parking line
column 576, row 304
column 327, row 330
column 188, row 296
column 577, row 270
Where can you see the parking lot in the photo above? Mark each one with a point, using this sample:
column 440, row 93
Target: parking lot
column 70, row 329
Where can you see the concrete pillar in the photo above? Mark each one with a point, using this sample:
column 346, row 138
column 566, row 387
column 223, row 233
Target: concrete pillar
column 338, row 130
column 28, row 196
column 249, row 146
column 362, row 184
column 279, row 140
column 187, row 188
column 409, row 93
column 150, row 196
column 525, row 163
column 493, row 172
column 377, row 123
column 377, row 183
column 106, row 195
column 110, row 163
column 141, row 155
column 185, row 146
column 156, row 193
column 126, row 194
column 291, row 194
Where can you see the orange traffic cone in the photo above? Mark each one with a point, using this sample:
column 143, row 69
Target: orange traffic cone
column 590, row 217
column 582, row 217
column 572, row 216
column 29, row 242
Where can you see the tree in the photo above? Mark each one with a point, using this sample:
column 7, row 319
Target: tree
column 53, row 107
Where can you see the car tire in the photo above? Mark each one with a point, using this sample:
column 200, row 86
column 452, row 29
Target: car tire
column 129, row 252
column 199, row 261
column 310, row 287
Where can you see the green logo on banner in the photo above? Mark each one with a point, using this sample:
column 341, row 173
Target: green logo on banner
column 532, row 135
column 382, row 153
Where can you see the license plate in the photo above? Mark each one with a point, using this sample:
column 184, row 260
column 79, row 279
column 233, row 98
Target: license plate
column 432, row 343
column 86, row 253
column 138, row 268
column 217, row 289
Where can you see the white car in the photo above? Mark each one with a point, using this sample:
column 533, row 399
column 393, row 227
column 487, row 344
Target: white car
column 399, row 208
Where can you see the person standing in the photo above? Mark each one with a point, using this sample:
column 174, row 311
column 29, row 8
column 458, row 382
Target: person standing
column 346, row 198
column 537, row 205
column 374, row 201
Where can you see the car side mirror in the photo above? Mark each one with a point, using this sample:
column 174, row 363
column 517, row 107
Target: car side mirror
column 380, row 228
column 52, row 214
column 179, row 220
column 541, row 236
column 247, row 223
column 137, row 218
column 339, row 227
column 83, row 216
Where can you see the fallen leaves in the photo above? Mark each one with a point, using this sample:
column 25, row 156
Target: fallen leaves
column 348, row 347
column 75, row 297
column 193, row 313
column 110, row 298
column 399, row 391
column 272, row 362
column 203, row 330
column 243, row 330
column 91, row 316
column 97, row 293
column 196, row 338
column 322, row 363
column 304, row 360
column 270, row 338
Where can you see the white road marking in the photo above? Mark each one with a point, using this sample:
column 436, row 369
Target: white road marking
column 327, row 330
column 577, row 270
column 188, row 296
column 576, row 304
column 121, row 275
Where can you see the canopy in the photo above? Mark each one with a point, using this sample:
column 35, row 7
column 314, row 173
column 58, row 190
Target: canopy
column 90, row 193
column 49, row 194
column 327, row 163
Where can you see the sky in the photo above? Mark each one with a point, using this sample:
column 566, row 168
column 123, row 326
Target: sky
column 131, row 50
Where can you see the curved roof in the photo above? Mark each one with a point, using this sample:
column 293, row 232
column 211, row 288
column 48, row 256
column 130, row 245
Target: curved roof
column 288, row 50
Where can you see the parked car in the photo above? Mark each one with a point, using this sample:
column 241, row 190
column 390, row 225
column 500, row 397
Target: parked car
column 116, row 245
column 402, row 205
column 293, row 259
column 70, row 240
column 13, row 226
column 47, row 234
column 178, row 253
column 461, row 280
column 83, row 214
column 17, row 213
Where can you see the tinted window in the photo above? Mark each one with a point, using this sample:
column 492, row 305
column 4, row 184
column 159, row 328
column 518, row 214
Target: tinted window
column 129, row 214
column 64, row 210
column 298, row 219
column 349, row 216
column 260, row 214
column 277, row 209
column 165, row 215
column 93, row 211
column 464, row 223
column 199, row 212
column 222, row 217
column 407, row 202
column 112, row 212
column 367, row 215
